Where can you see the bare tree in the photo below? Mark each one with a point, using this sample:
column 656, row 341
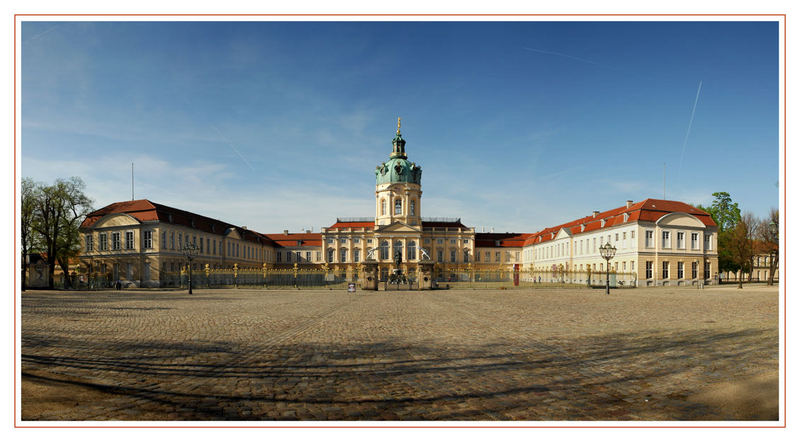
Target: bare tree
column 751, row 223
column 768, row 239
column 27, row 234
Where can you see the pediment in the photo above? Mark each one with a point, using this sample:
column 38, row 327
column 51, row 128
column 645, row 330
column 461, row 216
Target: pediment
column 116, row 220
column 398, row 227
column 563, row 233
column 679, row 219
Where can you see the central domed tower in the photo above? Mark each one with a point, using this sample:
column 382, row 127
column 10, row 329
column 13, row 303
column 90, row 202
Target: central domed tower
column 398, row 189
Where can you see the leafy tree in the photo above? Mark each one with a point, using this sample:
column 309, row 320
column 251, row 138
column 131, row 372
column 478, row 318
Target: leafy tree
column 58, row 211
column 739, row 243
column 723, row 211
column 726, row 214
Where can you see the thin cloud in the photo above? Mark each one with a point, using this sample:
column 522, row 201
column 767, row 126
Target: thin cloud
column 689, row 129
column 559, row 54
column 228, row 142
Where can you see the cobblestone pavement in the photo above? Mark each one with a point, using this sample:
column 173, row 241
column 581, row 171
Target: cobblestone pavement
column 549, row 354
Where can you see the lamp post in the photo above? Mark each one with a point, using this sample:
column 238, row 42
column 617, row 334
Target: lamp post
column 190, row 251
column 607, row 252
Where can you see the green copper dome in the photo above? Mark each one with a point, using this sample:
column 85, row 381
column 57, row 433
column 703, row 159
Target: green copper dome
column 398, row 169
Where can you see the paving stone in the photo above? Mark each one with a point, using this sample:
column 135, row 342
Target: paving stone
column 549, row 354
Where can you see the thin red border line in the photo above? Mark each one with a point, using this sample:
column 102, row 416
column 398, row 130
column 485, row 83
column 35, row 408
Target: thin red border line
column 398, row 15
column 15, row 224
column 785, row 30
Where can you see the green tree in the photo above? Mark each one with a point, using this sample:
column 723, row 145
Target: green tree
column 726, row 214
column 740, row 245
column 58, row 211
column 723, row 211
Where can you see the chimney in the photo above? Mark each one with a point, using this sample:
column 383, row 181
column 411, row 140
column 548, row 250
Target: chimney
column 285, row 232
column 595, row 213
column 244, row 227
column 628, row 204
column 308, row 231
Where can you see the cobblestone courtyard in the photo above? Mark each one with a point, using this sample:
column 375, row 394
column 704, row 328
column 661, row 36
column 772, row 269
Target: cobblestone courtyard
column 548, row 354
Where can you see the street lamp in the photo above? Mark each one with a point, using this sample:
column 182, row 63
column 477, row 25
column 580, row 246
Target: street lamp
column 190, row 251
column 607, row 252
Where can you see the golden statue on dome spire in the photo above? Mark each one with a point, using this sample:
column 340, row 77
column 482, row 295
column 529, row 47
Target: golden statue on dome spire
column 398, row 125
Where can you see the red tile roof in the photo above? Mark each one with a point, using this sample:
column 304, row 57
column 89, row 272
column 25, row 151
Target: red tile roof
column 369, row 225
column 505, row 239
column 648, row 210
column 148, row 211
column 291, row 239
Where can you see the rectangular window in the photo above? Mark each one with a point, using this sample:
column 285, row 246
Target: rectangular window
column 103, row 241
column 452, row 256
column 129, row 240
column 707, row 242
column 343, row 241
column 172, row 240
column 297, row 256
column 439, row 256
column 648, row 238
column 180, row 241
column 343, row 255
column 488, row 256
column 194, row 241
column 477, row 256
column 330, row 240
column 163, row 244
column 201, row 244
column 89, row 243
column 466, row 256
column 496, row 256
column 707, row 270
column 648, row 269
column 680, row 241
column 665, row 270
column 148, row 239
column 694, row 241
column 115, row 243
column 356, row 240
column 214, row 244
column 319, row 256
column 288, row 256
column 680, row 270
column 516, row 256
column 694, row 270
column 356, row 255
column 278, row 257
column 208, row 245
column 665, row 240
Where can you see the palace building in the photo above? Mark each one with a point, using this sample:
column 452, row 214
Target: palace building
column 658, row 242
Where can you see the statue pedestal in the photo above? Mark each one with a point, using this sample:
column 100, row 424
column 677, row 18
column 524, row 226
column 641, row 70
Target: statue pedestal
column 425, row 275
column 370, row 279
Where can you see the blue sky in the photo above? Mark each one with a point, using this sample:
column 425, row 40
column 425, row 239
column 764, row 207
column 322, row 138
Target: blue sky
column 517, row 126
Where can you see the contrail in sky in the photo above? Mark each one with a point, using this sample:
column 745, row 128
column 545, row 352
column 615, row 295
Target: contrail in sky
column 559, row 55
column 689, row 129
column 234, row 148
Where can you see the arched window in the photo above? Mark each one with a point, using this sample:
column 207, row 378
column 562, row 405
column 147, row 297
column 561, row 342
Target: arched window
column 411, row 250
column 330, row 255
column 383, row 207
column 398, row 247
column 343, row 255
column 413, row 208
column 398, row 206
column 385, row 250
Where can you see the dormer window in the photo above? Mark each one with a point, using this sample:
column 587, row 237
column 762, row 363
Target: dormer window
column 299, row 243
column 625, row 217
column 602, row 222
column 398, row 206
column 169, row 218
